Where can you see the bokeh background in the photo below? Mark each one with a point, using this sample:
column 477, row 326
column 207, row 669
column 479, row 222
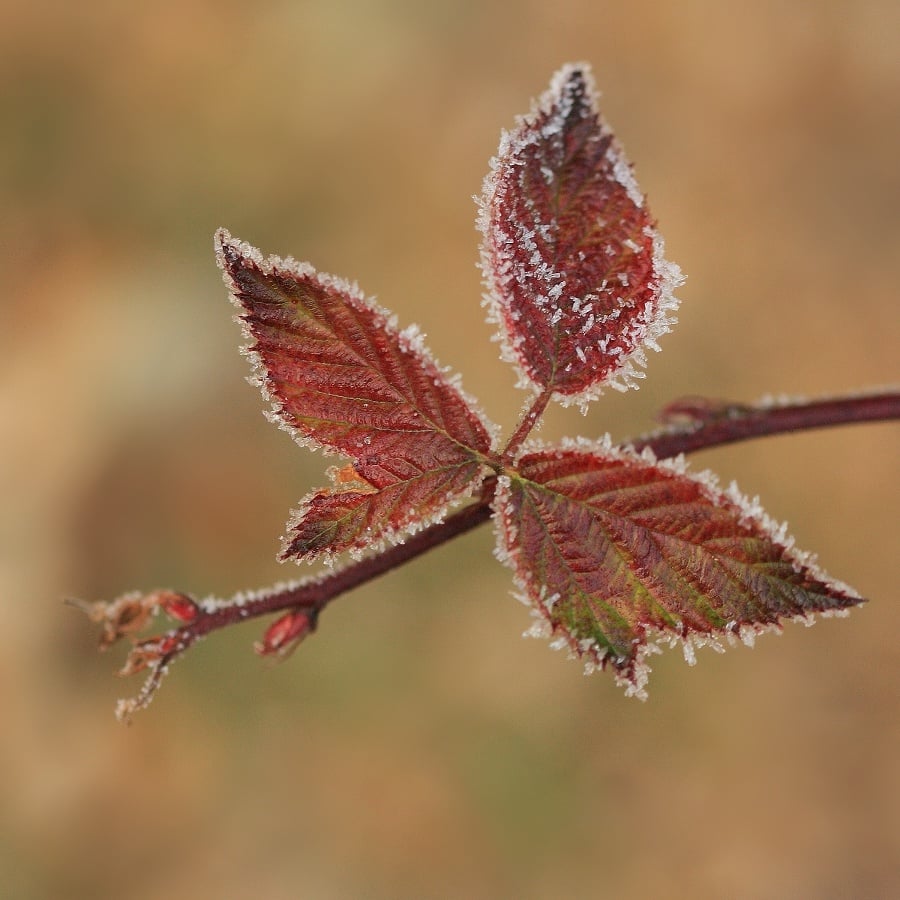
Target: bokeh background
column 417, row 747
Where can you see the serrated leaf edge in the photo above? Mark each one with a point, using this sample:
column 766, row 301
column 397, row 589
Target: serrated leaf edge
column 376, row 541
column 666, row 275
column 410, row 338
column 586, row 651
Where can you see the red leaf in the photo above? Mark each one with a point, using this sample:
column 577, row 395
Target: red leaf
column 614, row 551
column 342, row 377
column 331, row 521
column 576, row 277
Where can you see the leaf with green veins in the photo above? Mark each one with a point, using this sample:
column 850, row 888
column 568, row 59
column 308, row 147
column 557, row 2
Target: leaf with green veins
column 615, row 551
column 342, row 377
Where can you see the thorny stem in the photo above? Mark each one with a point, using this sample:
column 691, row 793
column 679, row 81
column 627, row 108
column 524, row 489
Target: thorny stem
column 689, row 425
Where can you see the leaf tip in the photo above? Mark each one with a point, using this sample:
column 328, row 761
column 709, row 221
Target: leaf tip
column 575, row 83
column 221, row 237
column 232, row 255
column 225, row 246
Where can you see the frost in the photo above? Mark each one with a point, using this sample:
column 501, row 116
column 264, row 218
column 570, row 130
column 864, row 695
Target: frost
column 680, row 537
column 425, row 442
column 554, row 346
column 540, row 630
column 234, row 256
column 623, row 174
column 748, row 634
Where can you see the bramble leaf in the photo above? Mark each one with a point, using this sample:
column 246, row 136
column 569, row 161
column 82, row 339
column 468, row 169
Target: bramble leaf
column 615, row 551
column 329, row 521
column 342, row 377
column 576, row 278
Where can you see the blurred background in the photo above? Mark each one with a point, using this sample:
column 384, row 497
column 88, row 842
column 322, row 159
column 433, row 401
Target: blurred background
column 417, row 747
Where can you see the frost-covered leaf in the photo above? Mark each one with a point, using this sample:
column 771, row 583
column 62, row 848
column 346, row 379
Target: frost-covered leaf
column 330, row 521
column 342, row 377
column 575, row 271
column 614, row 551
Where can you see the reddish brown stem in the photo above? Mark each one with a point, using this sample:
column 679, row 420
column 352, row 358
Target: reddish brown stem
column 725, row 423
column 525, row 426
column 311, row 596
column 315, row 595
column 701, row 424
column 713, row 423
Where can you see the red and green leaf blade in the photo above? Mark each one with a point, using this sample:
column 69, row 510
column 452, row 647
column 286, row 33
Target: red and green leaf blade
column 615, row 551
column 331, row 520
column 342, row 377
column 576, row 278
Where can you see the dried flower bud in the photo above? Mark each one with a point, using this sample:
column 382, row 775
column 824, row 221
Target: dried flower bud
column 124, row 615
column 149, row 652
column 128, row 614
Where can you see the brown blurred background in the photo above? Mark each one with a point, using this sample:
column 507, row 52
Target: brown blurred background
column 417, row 747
